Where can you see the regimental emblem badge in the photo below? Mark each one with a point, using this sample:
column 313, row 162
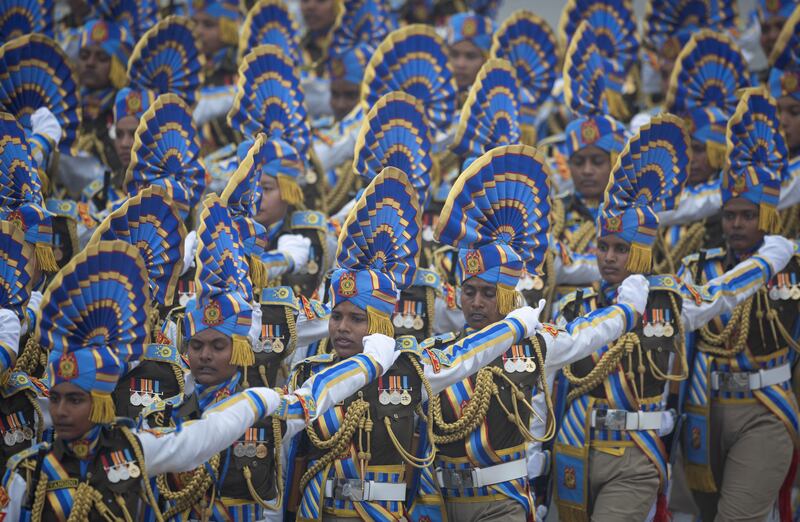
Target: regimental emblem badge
column 739, row 186
column 469, row 28
column 473, row 263
column 212, row 314
column 68, row 367
column 133, row 102
column 337, row 68
column 696, row 442
column 613, row 224
column 589, row 132
column 347, row 285
column 570, row 482
column 772, row 5
column 100, row 32
column 790, row 82
column 17, row 220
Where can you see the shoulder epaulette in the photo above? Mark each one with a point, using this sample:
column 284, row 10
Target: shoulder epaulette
column 712, row 253
column 440, row 339
column 572, row 296
column 321, row 358
column 163, row 353
column 17, row 459
column 18, row 382
column 175, row 401
column 429, row 353
column 279, row 296
column 309, row 219
column 63, row 208
column 429, row 278
column 91, row 190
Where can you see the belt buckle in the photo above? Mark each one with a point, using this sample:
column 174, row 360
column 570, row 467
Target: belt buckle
column 612, row 420
column 734, row 382
column 349, row 489
column 457, row 478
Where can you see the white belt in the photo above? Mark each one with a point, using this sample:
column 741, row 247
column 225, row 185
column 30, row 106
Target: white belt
column 748, row 381
column 357, row 490
column 623, row 420
column 480, row 477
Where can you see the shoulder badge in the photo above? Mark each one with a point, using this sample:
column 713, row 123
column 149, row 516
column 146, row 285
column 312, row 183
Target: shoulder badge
column 90, row 190
column 309, row 219
column 163, row 353
column 18, row 382
column 441, row 339
column 15, row 460
column 570, row 298
column 429, row 278
column 63, row 208
column 279, row 296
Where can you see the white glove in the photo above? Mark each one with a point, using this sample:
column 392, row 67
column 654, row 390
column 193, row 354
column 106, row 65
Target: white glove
column 777, row 251
column 296, row 247
column 536, row 464
column 189, row 251
column 255, row 326
column 529, row 316
column 45, row 124
column 634, row 291
column 382, row 349
column 667, row 422
column 34, row 303
column 10, row 330
column 269, row 396
column 541, row 513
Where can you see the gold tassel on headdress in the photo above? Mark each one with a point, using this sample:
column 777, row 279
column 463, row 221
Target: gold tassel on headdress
column 528, row 135
column 768, row 219
column 379, row 322
column 258, row 273
column 242, row 354
column 640, row 259
column 506, row 298
column 102, row 408
column 716, row 154
column 117, row 74
column 229, row 31
column 290, row 190
column 617, row 106
column 45, row 257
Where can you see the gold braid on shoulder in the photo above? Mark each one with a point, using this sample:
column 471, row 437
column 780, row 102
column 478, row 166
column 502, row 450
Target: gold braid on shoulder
column 738, row 326
column 608, row 363
column 580, row 239
column 31, row 358
column 192, row 493
column 691, row 240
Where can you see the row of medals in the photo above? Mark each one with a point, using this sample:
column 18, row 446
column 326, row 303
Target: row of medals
column 250, row 450
column 408, row 321
column 270, row 344
column 17, row 435
column 784, row 293
column 123, row 471
column 395, row 397
column 658, row 330
column 519, row 365
column 143, row 398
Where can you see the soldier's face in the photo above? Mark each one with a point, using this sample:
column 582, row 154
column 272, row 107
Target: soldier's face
column 207, row 29
column 789, row 114
column 479, row 303
column 590, row 168
column 770, row 30
column 272, row 208
column 347, row 328
column 700, row 170
column 318, row 14
column 209, row 356
column 740, row 225
column 344, row 97
column 467, row 59
column 123, row 139
column 612, row 256
column 94, row 67
column 70, row 408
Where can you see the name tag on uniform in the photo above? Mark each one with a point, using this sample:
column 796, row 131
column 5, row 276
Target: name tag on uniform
column 52, row 485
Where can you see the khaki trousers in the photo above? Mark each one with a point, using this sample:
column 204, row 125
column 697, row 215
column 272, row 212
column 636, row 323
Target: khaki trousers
column 621, row 488
column 493, row 511
column 751, row 451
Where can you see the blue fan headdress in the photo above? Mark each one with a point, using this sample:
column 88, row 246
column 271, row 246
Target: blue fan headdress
column 269, row 100
column 395, row 133
column 166, row 152
column 496, row 215
column 585, row 93
column 137, row 16
column 270, row 22
column 647, row 178
column 668, row 24
column 150, row 222
column 616, row 37
column 35, row 72
column 167, row 59
column 225, row 293
column 21, row 201
column 21, row 17
column 784, row 75
column 703, row 88
column 355, row 36
column 94, row 320
column 529, row 44
column 490, row 116
column 757, row 159
column 413, row 60
column 378, row 249
column 16, row 278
